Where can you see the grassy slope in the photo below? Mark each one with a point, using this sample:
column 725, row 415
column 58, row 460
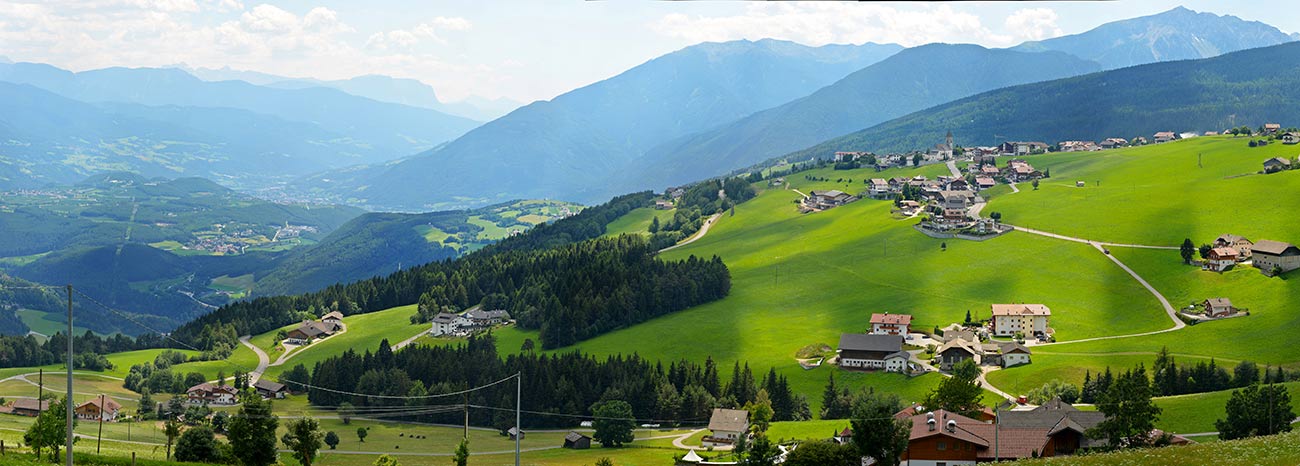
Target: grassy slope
column 637, row 221
column 364, row 333
column 1157, row 194
column 800, row 279
column 1282, row 449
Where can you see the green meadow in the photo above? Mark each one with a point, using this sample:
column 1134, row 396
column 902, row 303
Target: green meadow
column 799, row 279
column 1159, row 194
column 364, row 332
column 637, row 221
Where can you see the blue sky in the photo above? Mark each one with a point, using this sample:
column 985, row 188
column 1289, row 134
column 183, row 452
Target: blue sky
column 523, row 50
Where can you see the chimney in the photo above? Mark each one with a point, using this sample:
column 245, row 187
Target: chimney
column 930, row 424
column 952, row 425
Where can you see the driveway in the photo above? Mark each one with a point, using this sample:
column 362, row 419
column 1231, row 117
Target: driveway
column 704, row 229
column 262, row 359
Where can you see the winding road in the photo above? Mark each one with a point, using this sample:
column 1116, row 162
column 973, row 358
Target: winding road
column 262, row 359
column 704, row 229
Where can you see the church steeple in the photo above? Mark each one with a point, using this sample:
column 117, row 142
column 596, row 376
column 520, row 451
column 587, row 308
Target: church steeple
column 948, row 139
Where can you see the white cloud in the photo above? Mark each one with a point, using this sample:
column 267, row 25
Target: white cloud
column 820, row 24
column 406, row 38
column 1033, row 24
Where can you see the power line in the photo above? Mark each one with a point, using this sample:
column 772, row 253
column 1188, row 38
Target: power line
column 542, row 413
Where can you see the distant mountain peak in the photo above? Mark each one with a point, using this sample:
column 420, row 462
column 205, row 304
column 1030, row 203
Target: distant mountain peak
column 1177, row 34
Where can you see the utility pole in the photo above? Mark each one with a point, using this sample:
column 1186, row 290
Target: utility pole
column 68, row 402
column 40, row 390
column 466, row 399
column 519, row 430
column 996, row 444
column 99, row 438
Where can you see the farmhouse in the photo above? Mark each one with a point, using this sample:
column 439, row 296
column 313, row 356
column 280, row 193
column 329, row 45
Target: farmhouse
column 479, row 318
column 30, row 407
column 1241, row 244
column 1291, row 138
column 865, row 351
column 726, row 426
column 1270, row 128
column 1076, row 146
column 1027, row 319
column 576, row 441
column 1013, row 354
column 1019, row 170
column 1165, row 136
column 890, row 324
column 955, row 351
column 990, row 171
column 1220, row 259
column 1277, row 164
column 1218, row 307
column 879, row 187
column 268, row 389
column 956, row 199
column 959, row 185
column 93, row 410
column 310, row 330
column 212, row 394
column 1054, row 429
column 822, row 200
column 663, row 205
column 909, row 207
column 333, row 317
column 446, row 323
column 1022, row 148
column 1275, row 256
column 1112, row 143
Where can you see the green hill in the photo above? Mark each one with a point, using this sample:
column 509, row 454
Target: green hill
column 913, row 79
column 1247, row 87
column 1275, row 449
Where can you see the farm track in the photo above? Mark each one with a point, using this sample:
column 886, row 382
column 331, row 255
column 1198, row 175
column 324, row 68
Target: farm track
column 704, row 229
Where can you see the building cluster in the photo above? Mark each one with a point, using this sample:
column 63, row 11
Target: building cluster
column 1270, row 257
column 960, row 346
column 818, row 201
column 473, row 320
column 311, row 330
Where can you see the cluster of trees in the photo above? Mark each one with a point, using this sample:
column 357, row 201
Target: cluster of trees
column 1131, row 416
column 699, row 202
column 1170, row 378
column 568, row 384
column 1052, row 390
column 1256, row 410
column 21, row 351
column 578, row 291
column 217, row 331
column 875, row 433
column 157, row 376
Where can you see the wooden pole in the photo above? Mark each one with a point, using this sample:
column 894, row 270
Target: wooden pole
column 466, row 436
column 100, row 437
column 68, row 403
column 40, row 390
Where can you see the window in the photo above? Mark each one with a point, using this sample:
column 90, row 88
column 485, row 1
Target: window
column 942, row 446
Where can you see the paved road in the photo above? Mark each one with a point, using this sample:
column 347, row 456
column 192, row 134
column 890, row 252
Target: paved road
column 1014, row 189
column 403, row 343
column 952, row 167
column 704, row 229
column 1091, row 242
column 805, row 196
column 984, row 370
column 262, row 359
column 1169, row 309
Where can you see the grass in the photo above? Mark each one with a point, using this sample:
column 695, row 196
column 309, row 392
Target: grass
column 1197, row 412
column 1280, row 449
column 803, row 279
column 431, row 233
column 46, row 323
column 638, row 221
column 364, row 332
column 1158, row 194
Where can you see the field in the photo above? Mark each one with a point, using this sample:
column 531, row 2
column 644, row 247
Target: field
column 364, row 332
column 1281, row 449
column 46, row 323
column 801, row 279
column 637, row 221
column 1159, row 194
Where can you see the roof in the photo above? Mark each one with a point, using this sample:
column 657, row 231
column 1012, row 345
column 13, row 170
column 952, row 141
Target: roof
column 887, row 318
column 729, row 420
column 900, row 354
column 332, row 314
column 444, row 318
column 1223, row 252
column 1272, row 125
column 959, row 344
column 1048, row 417
column 263, row 384
column 1166, row 134
column 31, row 404
column 479, row 314
column 109, row 404
column 1230, row 238
column 1278, row 161
column 212, row 388
column 879, row 181
column 1013, row 347
column 865, row 342
column 1271, row 247
column 574, row 436
column 692, row 457
column 984, row 180
column 1021, row 310
column 1219, row 302
column 831, row 193
column 967, row 429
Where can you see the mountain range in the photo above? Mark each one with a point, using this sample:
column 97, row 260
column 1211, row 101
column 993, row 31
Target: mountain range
column 167, row 122
column 378, row 87
column 569, row 147
column 1211, row 94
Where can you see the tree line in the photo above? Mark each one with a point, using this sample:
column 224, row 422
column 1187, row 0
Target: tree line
column 569, row 385
column 1168, row 377
column 24, row 351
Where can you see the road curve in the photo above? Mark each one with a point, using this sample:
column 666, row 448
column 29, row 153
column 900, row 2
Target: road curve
column 704, row 229
column 262, row 359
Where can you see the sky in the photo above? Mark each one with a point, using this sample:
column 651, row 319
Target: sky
column 522, row 50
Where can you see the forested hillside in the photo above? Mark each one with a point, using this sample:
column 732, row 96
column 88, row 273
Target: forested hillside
column 1211, row 94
